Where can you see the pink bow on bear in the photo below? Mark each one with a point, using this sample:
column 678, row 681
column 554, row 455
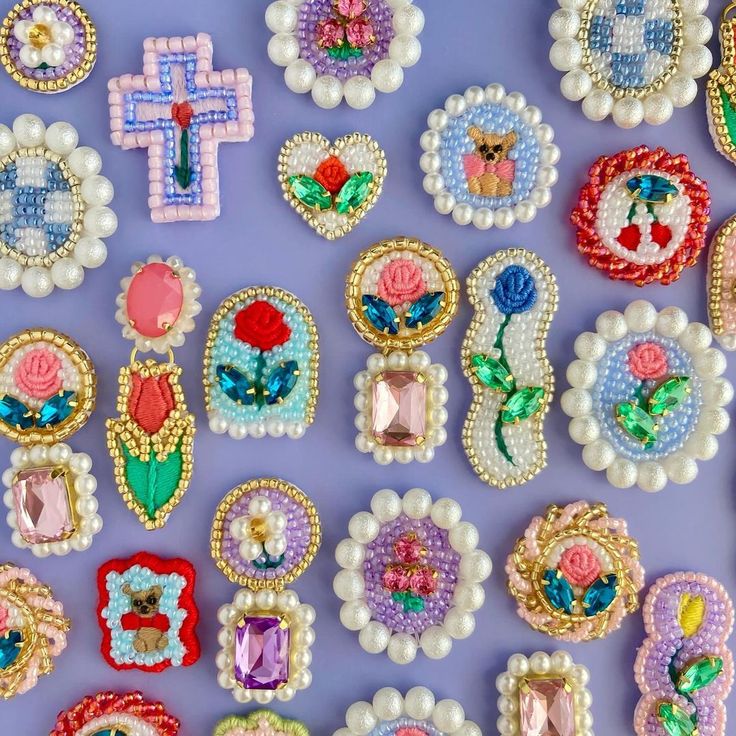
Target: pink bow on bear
column 475, row 166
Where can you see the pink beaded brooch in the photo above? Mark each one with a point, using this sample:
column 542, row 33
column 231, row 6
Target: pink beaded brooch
column 259, row 723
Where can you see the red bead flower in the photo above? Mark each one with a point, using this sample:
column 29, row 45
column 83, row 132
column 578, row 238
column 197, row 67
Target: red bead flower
column 423, row 581
column 647, row 360
column 182, row 112
column 262, row 326
column 330, row 33
column 408, row 549
column 580, row 565
column 396, row 578
column 360, row 33
column 151, row 401
column 332, row 174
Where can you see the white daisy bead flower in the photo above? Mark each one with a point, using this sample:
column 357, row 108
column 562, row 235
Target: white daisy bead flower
column 261, row 530
column 44, row 38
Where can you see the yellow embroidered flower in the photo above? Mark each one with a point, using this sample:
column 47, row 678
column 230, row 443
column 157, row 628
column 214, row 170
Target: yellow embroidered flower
column 690, row 614
column 44, row 38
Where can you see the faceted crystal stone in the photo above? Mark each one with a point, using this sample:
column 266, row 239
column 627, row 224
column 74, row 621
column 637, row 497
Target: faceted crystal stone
column 15, row 413
column 57, row 409
column 114, row 731
column 42, row 504
column 651, row 188
column 399, row 408
column 235, row 385
column 281, row 381
column 675, row 720
column 669, row 395
column 491, row 373
column 523, row 404
column 11, row 643
column 354, row 192
column 262, row 652
column 424, row 309
column 637, row 423
column 155, row 299
column 310, row 192
column 558, row 591
column 600, row 594
column 699, row 674
column 546, row 707
column 380, row 314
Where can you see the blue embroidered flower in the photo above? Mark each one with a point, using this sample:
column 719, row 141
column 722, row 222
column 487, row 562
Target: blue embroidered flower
column 515, row 291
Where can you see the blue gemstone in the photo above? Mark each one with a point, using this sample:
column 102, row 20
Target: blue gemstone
column 558, row 591
column 281, row 382
column 57, row 409
column 110, row 732
column 425, row 309
column 11, row 644
column 235, row 385
column 651, row 188
column 15, row 413
column 600, row 595
column 380, row 314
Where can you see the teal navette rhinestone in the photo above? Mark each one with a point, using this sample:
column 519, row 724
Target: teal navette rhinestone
column 354, row 192
column 424, row 309
column 114, row 731
column 57, row 409
column 15, row 413
column 600, row 594
column 558, row 591
column 380, row 314
column 11, row 644
column 281, row 382
column 651, row 188
column 235, row 385
column 675, row 720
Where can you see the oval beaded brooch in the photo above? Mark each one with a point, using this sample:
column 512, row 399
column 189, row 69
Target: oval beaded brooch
column 647, row 396
column 259, row 723
column 575, row 573
column 642, row 216
column 636, row 60
column 488, row 158
column 721, row 285
column 721, row 89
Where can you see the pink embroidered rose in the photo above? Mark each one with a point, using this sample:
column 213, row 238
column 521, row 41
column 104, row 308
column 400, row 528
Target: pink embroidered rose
column 411, row 731
column 401, row 281
column 396, row 578
column 647, row 360
column 330, row 33
column 350, row 8
column 39, row 373
column 360, row 33
column 580, row 565
column 409, row 549
column 423, row 581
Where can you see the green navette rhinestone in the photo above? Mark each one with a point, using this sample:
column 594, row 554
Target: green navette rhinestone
column 310, row 192
column 523, row 404
column 669, row 395
column 354, row 192
column 699, row 674
column 636, row 422
column 675, row 720
column 491, row 373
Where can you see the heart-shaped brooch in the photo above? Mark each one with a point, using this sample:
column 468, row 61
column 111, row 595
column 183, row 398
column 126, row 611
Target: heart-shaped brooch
column 332, row 185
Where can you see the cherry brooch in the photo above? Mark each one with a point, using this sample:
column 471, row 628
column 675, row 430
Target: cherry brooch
column 642, row 216
column 259, row 723
column 401, row 294
column 575, row 573
column 636, row 60
column 344, row 48
column 684, row 668
column 33, row 630
column 48, row 45
column 265, row 534
column 147, row 613
column 332, row 185
column 647, row 396
column 261, row 365
column 721, row 89
column 180, row 109
column 488, row 158
column 47, row 393
column 722, row 285
column 504, row 356
column 151, row 440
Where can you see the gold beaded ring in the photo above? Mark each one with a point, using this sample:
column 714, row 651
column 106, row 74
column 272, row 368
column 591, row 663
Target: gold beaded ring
column 721, row 283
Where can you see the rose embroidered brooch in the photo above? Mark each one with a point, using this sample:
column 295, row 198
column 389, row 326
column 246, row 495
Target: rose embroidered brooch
column 647, row 396
column 259, row 723
column 642, row 216
column 332, row 185
column 488, row 158
column 721, row 285
column 504, row 357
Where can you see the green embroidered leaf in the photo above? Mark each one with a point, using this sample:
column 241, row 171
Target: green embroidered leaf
column 412, row 603
column 491, row 373
column 523, row 404
column 729, row 114
column 153, row 483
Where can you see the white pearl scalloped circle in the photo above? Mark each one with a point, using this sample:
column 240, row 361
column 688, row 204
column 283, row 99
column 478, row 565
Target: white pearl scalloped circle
column 358, row 91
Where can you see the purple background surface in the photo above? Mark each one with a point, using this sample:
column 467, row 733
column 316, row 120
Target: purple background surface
column 259, row 240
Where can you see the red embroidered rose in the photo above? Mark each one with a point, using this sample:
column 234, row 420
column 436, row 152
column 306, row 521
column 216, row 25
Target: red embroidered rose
column 330, row 33
column 262, row 326
column 39, row 373
column 396, row 578
column 151, row 401
column 401, row 281
column 409, row 549
column 351, row 8
column 360, row 33
column 332, row 174
column 182, row 113
column 580, row 565
column 423, row 581
column 647, row 360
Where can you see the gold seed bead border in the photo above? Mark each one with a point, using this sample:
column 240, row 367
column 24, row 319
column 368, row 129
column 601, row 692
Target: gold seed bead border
column 716, row 257
column 724, row 76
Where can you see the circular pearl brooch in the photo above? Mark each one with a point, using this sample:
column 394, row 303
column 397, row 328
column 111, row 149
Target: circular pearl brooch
column 411, row 575
column 642, row 216
column 53, row 207
column 636, row 60
column 418, row 713
column 647, row 396
column 48, row 45
column 347, row 49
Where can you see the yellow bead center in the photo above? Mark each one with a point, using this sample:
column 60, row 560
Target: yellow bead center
column 39, row 35
column 258, row 529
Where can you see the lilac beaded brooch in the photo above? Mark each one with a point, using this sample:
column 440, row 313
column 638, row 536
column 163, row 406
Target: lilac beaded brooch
column 265, row 534
column 344, row 48
column 411, row 575
column 181, row 109
column 684, row 668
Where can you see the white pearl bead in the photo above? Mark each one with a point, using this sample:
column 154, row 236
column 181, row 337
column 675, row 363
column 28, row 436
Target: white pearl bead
column 67, row 273
column 444, row 203
column 671, row 322
column 658, row 109
column 359, row 92
column 456, row 105
column 640, row 316
column 100, row 222
column 348, row 585
column 299, row 76
column 11, row 273
column 540, row 663
column 598, row 455
column 96, row 190
column 419, row 703
column 405, row 50
column 80, row 463
column 386, row 505
column 566, row 54
column 469, row 728
column 469, row 596
column 281, row 17
column 597, row 105
column 388, row 704
column 475, row 95
column 464, row 537
column 561, row 662
column 374, row 637
column 44, row 14
column 360, row 718
column 628, row 112
column 495, row 92
column 564, row 24
column 446, row 513
column 327, row 92
column 580, row 674
column 518, row 665
column 697, row 30
column 62, row 33
column 525, row 211
column 516, row 102
column 681, row 89
column 680, row 468
column 483, row 218
column 409, row 19
column 696, row 337
column 283, row 48
column 265, row 599
column 29, row 130
column 581, row 374
column 448, row 716
column 611, row 325
column 62, row 138
column 36, row 281
column 696, row 60
column 430, row 163
column 576, row 402
column 504, row 218
column 458, row 624
column 354, row 615
column 30, row 56
column 436, row 643
column 476, row 566
column 402, row 648
column 417, row 503
column 387, row 75
column 85, row 161
column 622, row 473
column 349, row 554
column 584, row 430
column 710, row 363
column 53, row 54
column 7, row 140
column 462, row 214
column 364, row 527
column 718, row 391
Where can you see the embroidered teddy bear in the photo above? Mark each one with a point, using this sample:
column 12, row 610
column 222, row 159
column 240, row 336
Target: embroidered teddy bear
column 150, row 625
column 488, row 169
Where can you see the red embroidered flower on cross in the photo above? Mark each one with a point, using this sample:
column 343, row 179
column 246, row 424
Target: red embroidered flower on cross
column 151, row 401
column 182, row 113
column 647, row 361
column 262, row 326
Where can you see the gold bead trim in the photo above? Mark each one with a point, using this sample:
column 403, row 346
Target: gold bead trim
column 718, row 291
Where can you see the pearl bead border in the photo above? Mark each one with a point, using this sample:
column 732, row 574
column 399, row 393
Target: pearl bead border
column 653, row 104
column 720, row 284
column 267, row 603
column 349, row 584
column 419, row 703
column 541, row 665
column 359, row 91
column 249, row 725
column 83, row 501
column 695, row 338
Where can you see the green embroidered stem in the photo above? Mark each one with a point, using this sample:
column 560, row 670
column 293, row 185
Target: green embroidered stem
column 672, row 671
column 639, row 396
column 729, row 115
column 498, row 427
column 632, row 212
column 183, row 171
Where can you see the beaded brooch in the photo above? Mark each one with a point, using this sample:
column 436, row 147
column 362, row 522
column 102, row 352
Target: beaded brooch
column 332, row 185
column 411, row 575
column 642, row 216
column 575, row 573
column 32, row 630
column 544, row 694
column 180, row 109
column 514, row 295
column 418, row 713
column 401, row 294
column 344, row 48
column 634, row 59
column 647, row 396
column 261, row 365
column 151, row 441
column 265, row 534
column 147, row 613
column 47, row 393
column 259, row 723
column 721, row 89
column 684, row 668
column 113, row 714
column 488, row 158
column 721, row 284
column 48, row 45
column 53, row 207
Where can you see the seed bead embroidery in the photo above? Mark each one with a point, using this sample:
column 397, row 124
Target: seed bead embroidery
column 721, row 89
column 259, row 723
column 721, row 283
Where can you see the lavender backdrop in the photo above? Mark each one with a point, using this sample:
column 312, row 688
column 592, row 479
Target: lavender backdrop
column 258, row 239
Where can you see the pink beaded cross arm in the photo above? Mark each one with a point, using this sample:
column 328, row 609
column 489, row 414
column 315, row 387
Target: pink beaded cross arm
column 180, row 109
